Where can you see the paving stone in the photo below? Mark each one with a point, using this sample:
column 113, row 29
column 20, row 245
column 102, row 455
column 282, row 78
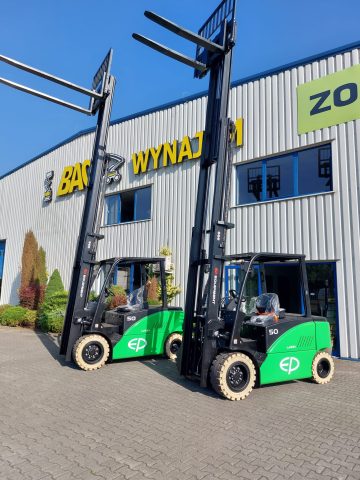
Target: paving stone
column 139, row 420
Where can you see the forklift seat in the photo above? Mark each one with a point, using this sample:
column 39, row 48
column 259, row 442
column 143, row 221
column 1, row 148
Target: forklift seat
column 135, row 301
column 267, row 309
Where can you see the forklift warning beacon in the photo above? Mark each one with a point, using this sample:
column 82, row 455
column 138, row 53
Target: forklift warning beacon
column 243, row 337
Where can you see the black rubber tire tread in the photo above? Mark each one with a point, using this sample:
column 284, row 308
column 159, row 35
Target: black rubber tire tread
column 171, row 338
column 214, row 371
column 79, row 346
column 315, row 376
column 219, row 370
column 179, row 358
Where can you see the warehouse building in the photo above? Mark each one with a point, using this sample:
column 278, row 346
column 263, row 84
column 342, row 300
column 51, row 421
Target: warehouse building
column 294, row 185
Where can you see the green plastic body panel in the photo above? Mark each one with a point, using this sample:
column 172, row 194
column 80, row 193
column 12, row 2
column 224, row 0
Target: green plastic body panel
column 290, row 357
column 323, row 336
column 148, row 335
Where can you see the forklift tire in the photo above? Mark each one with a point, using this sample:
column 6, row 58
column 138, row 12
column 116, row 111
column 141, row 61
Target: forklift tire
column 90, row 352
column 323, row 368
column 233, row 375
column 178, row 359
column 172, row 345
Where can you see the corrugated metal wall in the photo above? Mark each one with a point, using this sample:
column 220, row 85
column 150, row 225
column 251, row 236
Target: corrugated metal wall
column 324, row 227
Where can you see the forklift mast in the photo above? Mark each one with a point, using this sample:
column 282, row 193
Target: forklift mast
column 215, row 41
column 91, row 217
column 203, row 301
column 101, row 96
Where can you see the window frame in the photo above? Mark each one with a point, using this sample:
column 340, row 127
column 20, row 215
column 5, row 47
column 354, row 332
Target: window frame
column 3, row 249
column 295, row 175
column 118, row 194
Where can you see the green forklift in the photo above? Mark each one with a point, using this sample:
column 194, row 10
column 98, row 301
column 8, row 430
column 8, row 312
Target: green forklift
column 130, row 324
column 237, row 338
column 267, row 333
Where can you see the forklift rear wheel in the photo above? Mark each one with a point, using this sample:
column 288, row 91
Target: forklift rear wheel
column 90, row 352
column 172, row 345
column 233, row 375
column 323, row 368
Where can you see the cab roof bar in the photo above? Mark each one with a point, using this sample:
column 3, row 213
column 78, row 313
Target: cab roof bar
column 170, row 53
column 45, row 96
column 183, row 32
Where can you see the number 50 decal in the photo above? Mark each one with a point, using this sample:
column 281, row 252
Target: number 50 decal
column 329, row 101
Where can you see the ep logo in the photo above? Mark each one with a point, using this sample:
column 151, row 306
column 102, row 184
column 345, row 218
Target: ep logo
column 137, row 344
column 289, row 364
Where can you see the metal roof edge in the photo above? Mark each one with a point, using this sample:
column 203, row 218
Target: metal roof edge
column 297, row 63
column 236, row 83
column 49, row 150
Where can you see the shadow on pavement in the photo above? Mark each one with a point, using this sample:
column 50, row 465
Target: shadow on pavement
column 168, row 369
column 51, row 343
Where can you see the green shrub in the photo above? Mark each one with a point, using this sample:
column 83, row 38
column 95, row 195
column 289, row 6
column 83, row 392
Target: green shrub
column 55, row 321
column 29, row 273
column 30, row 318
column 55, row 284
column 13, row 316
column 3, row 308
column 33, row 273
column 41, row 266
column 52, row 312
column 154, row 302
column 117, row 298
column 165, row 251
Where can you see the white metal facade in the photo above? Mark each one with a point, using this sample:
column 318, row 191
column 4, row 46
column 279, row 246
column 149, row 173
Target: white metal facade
column 323, row 226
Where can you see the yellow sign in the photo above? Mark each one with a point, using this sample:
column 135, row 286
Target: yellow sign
column 329, row 100
column 76, row 177
column 73, row 178
column 171, row 154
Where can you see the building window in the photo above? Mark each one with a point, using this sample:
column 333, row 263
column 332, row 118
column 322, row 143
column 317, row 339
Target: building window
column 2, row 255
column 129, row 206
column 299, row 173
column 315, row 170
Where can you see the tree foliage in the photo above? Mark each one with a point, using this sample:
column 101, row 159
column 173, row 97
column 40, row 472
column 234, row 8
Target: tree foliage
column 29, row 260
column 41, row 266
column 33, row 273
column 52, row 311
column 55, row 284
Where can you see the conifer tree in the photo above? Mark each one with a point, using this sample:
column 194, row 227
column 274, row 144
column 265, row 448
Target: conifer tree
column 55, row 284
column 29, row 260
column 41, row 267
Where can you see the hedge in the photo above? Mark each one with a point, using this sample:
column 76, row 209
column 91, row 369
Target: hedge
column 52, row 312
column 13, row 316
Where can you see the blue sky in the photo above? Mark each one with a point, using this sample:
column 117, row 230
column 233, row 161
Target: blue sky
column 70, row 38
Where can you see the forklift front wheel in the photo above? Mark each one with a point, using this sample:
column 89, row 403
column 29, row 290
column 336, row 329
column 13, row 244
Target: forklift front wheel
column 90, row 352
column 233, row 375
column 172, row 345
column 323, row 368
